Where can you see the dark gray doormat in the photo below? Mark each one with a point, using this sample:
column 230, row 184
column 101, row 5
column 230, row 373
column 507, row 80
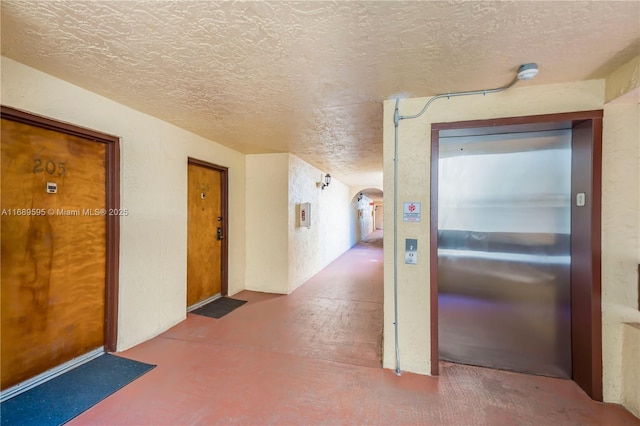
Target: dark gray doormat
column 219, row 307
column 61, row 399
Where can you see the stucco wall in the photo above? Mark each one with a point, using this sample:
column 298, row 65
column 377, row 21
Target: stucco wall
column 621, row 234
column 625, row 80
column 414, row 185
column 281, row 255
column 311, row 249
column 267, row 232
column 631, row 375
column 153, row 240
column 620, row 243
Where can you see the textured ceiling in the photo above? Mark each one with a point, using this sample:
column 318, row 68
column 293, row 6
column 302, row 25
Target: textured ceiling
column 309, row 77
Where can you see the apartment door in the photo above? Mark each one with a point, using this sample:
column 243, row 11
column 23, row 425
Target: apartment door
column 206, row 232
column 54, row 248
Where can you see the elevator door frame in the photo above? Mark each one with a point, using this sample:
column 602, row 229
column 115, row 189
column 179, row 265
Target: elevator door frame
column 586, row 176
column 112, row 192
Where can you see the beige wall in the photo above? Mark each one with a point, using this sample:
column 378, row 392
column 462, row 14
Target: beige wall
column 621, row 235
column 280, row 254
column 624, row 81
column 267, row 232
column 620, row 242
column 414, row 185
column 631, row 375
column 153, row 238
column 311, row 249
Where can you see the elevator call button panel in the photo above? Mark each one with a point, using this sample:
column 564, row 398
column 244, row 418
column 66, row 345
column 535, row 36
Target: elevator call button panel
column 411, row 251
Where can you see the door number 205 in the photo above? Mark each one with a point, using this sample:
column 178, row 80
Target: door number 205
column 49, row 166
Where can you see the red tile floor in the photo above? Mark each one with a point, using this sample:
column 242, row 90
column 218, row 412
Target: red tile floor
column 314, row 357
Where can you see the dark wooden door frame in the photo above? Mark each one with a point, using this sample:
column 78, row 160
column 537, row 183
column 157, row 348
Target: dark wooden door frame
column 586, row 176
column 224, row 206
column 112, row 191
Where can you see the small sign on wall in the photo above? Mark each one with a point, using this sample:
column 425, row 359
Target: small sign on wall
column 411, row 212
column 305, row 215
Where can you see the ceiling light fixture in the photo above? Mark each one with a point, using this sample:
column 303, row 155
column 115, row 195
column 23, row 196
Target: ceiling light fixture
column 527, row 71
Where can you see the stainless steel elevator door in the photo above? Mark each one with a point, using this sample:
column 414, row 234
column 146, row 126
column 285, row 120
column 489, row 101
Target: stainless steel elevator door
column 504, row 251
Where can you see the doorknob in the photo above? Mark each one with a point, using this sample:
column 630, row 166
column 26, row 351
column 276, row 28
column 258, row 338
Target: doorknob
column 219, row 234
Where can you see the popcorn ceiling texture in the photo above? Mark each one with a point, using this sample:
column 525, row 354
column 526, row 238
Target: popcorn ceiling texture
column 309, row 77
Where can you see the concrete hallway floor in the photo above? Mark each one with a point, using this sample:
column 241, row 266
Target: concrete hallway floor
column 314, row 357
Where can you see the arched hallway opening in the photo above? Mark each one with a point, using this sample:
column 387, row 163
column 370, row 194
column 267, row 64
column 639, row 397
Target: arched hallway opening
column 368, row 212
column 314, row 357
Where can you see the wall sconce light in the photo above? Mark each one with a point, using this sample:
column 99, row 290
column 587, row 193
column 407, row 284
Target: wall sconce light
column 327, row 181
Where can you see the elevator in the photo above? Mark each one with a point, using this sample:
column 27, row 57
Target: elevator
column 504, row 249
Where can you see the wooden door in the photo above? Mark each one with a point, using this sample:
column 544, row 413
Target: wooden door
column 205, row 233
column 53, row 249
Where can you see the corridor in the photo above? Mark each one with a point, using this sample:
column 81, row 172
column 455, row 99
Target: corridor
column 314, row 357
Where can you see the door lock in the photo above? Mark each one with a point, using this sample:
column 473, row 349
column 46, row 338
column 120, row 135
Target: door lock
column 219, row 234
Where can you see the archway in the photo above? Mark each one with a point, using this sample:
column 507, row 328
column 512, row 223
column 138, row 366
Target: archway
column 367, row 206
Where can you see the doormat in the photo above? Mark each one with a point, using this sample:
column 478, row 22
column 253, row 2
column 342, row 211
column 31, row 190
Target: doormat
column 62, row 398
column 219, row 307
